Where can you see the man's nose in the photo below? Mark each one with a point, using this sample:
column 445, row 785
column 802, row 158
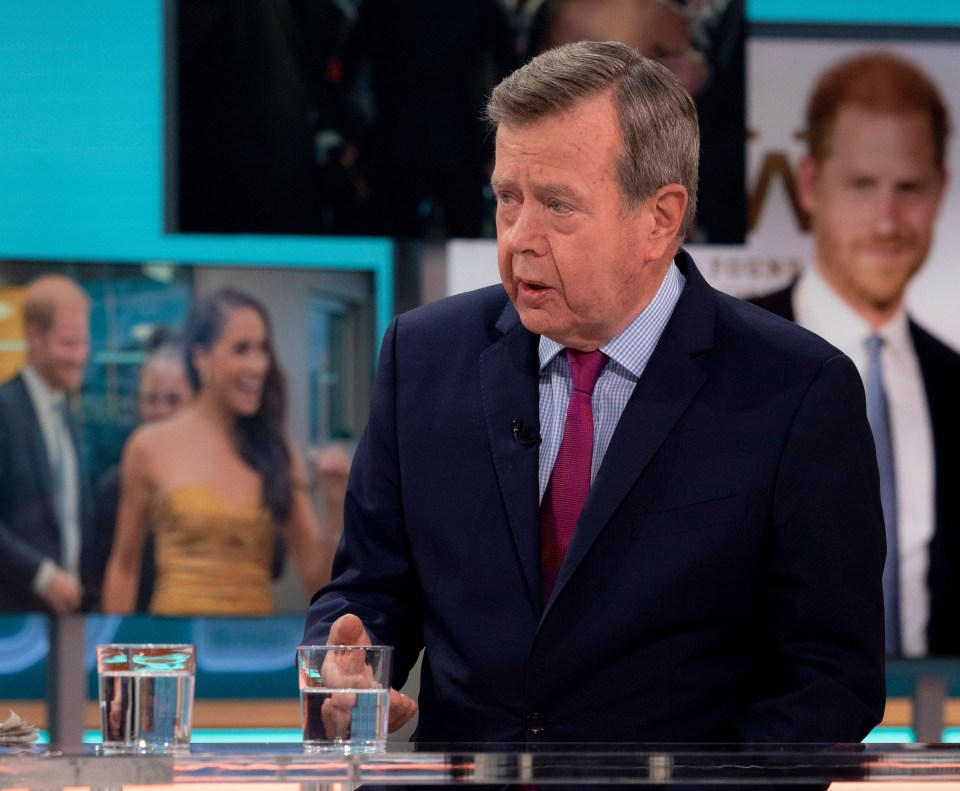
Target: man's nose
column 80, row 354
column 526, row 234
column 887, row 213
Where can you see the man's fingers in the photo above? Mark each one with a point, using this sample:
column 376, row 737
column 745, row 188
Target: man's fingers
column 349, row 668
column 337, row 715
column 348, row 630
column 61, row 607
column 402, row 709
column 63, row 593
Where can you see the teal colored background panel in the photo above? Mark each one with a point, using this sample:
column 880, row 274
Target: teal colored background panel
column 82, row 150
column 236, row 657
column 884, row 12
column 23, row 658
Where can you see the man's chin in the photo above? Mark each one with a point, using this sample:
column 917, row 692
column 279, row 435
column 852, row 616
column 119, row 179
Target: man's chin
column 71, row 383
column 534, row 319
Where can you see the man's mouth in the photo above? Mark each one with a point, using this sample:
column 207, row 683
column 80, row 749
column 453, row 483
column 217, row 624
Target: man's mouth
column 532, row 286
column 887, row 247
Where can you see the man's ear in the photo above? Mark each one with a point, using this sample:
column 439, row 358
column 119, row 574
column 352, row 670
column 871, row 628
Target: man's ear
column 807, row 183
column 944, row 186
column 666, row 208
column 32, row 334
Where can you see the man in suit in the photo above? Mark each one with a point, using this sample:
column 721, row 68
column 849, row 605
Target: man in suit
column 44, row 503
column 873, row 182
column 722, row 579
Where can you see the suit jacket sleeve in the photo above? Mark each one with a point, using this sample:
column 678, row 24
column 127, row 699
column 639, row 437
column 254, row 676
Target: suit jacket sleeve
column 21, row 560
column 824, row 595
column 373, row 575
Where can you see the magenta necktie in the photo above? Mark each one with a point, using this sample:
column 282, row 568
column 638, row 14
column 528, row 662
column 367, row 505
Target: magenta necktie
column 570, row 480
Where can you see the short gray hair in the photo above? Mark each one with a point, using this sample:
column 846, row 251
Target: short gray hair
column 658, row 119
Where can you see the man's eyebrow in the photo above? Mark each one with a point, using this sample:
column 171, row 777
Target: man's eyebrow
column 560, row 190
column 549, row 188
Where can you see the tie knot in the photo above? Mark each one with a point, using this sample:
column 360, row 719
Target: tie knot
column 874, row 344
column 585, row 367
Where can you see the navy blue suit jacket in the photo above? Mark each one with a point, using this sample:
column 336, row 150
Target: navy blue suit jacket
column 724, row 581
column 29, row 530
column 940, row 370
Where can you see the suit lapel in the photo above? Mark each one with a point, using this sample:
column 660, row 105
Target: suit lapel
column 509, row 383
column 668, row 385
column 32, row 441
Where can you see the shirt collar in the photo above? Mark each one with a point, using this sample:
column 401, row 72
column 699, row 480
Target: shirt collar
column 634, row 345
column 821, row 310
column 40, row 392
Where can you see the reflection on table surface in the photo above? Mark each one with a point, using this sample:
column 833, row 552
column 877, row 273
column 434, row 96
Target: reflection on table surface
column 778, row 764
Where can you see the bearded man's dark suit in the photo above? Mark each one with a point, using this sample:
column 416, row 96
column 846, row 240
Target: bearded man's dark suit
column 29, row 527
column 940, row 371
column 724, row 580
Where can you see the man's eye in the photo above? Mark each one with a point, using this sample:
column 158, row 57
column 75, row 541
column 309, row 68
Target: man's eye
column 910, row 188
column 558, row 207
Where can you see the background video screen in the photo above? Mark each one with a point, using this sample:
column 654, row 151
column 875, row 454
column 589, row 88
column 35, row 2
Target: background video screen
column 363, row 117
column 322, row 324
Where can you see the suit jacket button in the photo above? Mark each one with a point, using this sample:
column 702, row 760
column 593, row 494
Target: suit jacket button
column 534, row 723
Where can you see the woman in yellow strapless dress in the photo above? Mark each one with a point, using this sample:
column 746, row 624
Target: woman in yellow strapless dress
column 214, row 556
column 218, row 481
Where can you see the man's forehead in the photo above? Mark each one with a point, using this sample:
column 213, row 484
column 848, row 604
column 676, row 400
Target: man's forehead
column 550, row 154
column 855, row 125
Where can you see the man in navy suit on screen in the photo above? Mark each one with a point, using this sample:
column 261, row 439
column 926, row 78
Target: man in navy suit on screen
column 45, row 504
column 873, row 182
column 609, row 502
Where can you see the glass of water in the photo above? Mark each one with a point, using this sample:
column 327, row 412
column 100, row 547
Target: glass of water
column 344, row 697
column 146, row 696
